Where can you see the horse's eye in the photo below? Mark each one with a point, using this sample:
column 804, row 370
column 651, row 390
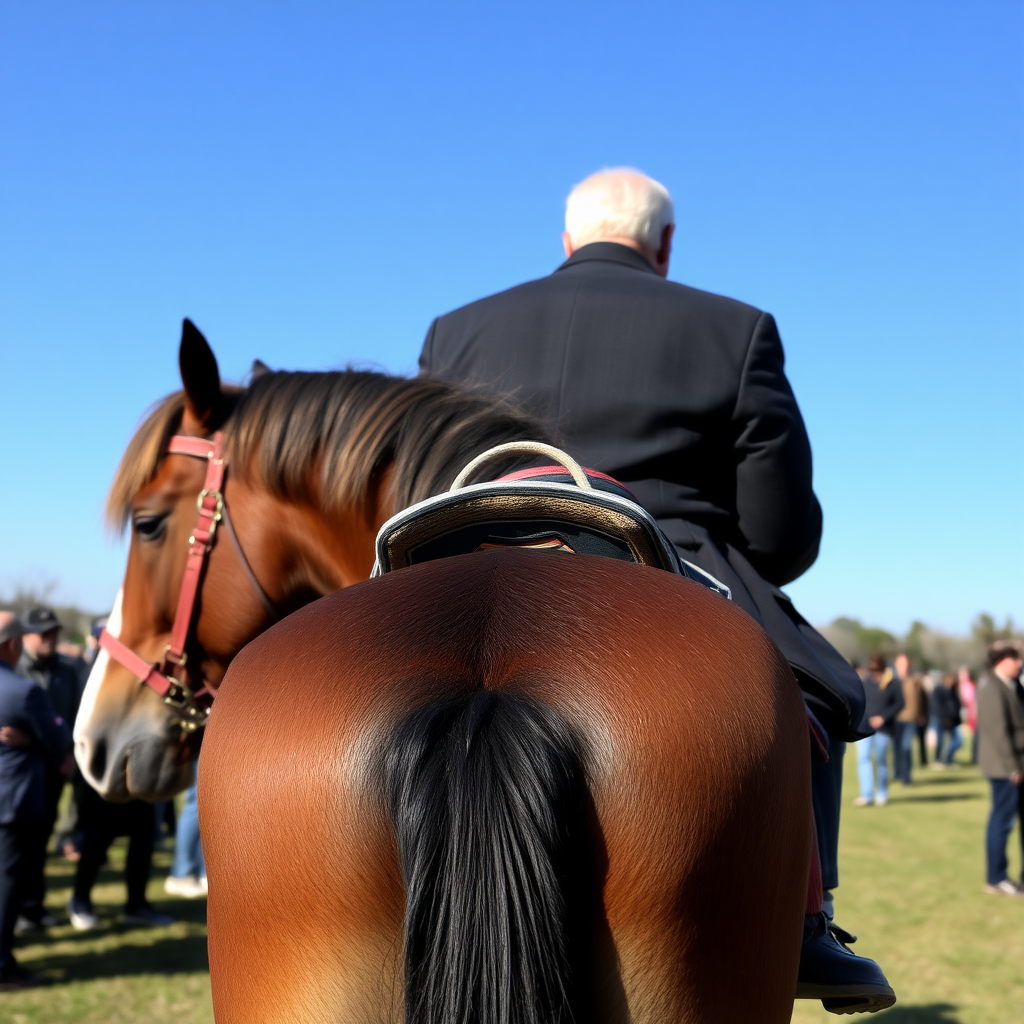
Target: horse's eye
column 150, row 527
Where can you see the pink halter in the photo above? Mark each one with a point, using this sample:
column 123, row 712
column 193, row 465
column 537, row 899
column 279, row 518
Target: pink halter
column 192, row 705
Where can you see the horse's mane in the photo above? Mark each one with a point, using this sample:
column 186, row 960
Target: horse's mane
column 324, row 438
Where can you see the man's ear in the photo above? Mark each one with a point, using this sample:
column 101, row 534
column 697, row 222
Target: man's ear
column 200, row 378
column 665, row 249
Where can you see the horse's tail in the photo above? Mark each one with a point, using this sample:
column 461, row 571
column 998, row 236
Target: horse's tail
column 483, row 793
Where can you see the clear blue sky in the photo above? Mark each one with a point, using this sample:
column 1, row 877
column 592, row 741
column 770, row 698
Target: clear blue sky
column 313, row 182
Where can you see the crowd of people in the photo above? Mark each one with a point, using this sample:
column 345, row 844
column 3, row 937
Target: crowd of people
column 929, row 710
column 44, row 799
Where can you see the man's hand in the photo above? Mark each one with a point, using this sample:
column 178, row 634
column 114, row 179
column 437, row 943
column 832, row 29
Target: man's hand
column 67, row 765
column 1016, row 778
column 11, row 736
column 876, row 721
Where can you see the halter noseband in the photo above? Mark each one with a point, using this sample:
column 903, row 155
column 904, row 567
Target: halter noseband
column 192, row 705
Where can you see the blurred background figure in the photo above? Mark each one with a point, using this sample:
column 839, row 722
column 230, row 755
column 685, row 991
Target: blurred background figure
column 60, row 677
column 945, row 721
column 188, row 873
column 1001, row 758
column 969, row 700
column 910, row 721
column 101, row 822
column 32, row 739
column 883, row 701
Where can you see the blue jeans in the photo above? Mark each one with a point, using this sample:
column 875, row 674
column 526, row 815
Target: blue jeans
column 188, row 851
column 904, row 734
column 956, row 741
column 1007, row 805
column 876, row 746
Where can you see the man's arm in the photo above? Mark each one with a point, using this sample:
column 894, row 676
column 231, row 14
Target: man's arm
column 779, row 516
column 52, row 732
column 993, row 726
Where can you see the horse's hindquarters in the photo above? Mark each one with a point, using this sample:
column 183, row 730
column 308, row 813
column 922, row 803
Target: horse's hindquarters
column 688, row 887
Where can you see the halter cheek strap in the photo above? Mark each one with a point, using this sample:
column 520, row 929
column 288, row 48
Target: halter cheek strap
column 192, row 705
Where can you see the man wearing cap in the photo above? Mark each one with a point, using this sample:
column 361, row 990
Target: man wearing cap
column 682, row 395
column 60, row 678
column 31, row 733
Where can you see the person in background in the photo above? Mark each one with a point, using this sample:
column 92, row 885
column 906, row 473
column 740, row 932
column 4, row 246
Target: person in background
column 946, row 714
column 32, row 736
column 969, row 700
column 908, row 721
column 60, row 678
column 101, row 822
column 1001, row 758
column 188, row 873
column 883, row 695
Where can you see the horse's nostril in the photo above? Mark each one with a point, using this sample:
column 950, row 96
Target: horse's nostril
column 98, row 763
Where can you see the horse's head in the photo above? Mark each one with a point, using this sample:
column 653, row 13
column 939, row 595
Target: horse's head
column 137, row 740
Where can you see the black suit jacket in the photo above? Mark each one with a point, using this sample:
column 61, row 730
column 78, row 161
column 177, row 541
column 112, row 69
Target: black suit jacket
column 683, row 396
column 676, row 392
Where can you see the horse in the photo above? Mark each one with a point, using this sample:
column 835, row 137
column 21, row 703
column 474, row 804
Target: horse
column 499, row 787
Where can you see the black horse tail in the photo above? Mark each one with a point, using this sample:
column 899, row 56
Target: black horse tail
column 484, row 791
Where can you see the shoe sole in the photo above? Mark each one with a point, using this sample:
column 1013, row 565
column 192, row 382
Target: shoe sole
column 849, row 998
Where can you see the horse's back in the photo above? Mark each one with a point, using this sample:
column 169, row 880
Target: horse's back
column 691, row 740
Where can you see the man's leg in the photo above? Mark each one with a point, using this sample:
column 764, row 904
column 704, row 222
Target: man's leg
column 829, row 970
column 1005, row 800
column 34, row 888
column 140, row 820
column 16, row 843
column 865, row 769
column 882, row 742
column 955, row 743
column 1020, row 827
column 96, row 822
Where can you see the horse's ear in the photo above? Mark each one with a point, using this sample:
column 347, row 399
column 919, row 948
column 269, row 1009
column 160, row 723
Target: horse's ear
column 258, row 369
column 199, row 375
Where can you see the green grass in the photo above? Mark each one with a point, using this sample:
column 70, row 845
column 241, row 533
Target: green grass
column 912, row 878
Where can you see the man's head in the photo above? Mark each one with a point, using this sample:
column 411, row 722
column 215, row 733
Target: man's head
column 624, row 206
column 876, row 665
column 1005, row 657
column 11, row 631
column 902, row 665
column 42, row 630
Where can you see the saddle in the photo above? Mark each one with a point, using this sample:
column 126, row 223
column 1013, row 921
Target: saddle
column 561, row 508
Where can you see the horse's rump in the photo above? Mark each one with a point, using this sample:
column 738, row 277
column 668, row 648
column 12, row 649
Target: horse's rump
column 637, row 756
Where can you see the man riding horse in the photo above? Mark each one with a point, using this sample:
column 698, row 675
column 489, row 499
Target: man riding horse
column 682, row 395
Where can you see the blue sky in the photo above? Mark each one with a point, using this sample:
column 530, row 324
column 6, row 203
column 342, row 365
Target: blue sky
column 313, row 182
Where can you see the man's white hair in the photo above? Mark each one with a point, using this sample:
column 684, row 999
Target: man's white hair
column 618, row 202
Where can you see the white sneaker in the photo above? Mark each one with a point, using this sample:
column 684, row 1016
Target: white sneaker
column 863, row 801
column 188, row 886
column 881, row 801
column 1005, row 888
column 82, row 917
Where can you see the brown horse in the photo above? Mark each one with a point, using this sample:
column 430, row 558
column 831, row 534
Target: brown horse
column 502, row 787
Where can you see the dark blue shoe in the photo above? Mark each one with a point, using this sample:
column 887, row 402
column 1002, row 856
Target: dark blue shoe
column 832, row 972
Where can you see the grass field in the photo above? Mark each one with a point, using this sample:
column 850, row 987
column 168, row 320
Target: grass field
column 912, row 888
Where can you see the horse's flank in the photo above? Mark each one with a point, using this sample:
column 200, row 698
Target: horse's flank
column 323, row 438
column 692, row 752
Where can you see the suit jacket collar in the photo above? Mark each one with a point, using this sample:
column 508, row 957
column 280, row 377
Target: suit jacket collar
column 608, row 252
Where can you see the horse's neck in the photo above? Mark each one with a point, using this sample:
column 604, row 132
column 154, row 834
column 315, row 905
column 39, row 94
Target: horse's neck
column 325, row 551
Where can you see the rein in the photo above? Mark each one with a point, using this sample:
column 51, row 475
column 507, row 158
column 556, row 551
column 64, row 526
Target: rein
column 191, row 704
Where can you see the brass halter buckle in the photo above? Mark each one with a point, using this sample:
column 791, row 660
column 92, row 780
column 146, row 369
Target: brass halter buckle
column 218, row 513
column 190, row 716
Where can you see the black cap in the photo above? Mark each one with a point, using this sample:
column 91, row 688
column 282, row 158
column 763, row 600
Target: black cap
column 40, row 620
